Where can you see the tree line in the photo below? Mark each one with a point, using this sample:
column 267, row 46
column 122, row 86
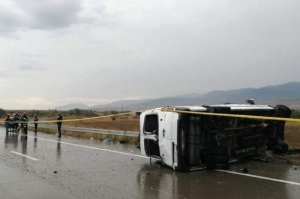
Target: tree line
column 53, row 113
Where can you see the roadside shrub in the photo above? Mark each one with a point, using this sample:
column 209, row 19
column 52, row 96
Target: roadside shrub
column 2, row 112
column 295, row 114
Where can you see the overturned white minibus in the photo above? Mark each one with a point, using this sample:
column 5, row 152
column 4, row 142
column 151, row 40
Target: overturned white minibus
column 188, row 142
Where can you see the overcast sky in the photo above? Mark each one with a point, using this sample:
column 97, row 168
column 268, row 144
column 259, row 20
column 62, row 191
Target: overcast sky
column 55, row 52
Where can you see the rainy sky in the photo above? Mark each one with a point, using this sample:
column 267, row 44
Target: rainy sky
column 56, row 52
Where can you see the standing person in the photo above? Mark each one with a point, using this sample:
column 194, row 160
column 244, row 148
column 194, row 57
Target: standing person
column 24, row 125
column 7, row 123
column 17, row 120
column 11, row 125
column 36, row 119
column 59, row 123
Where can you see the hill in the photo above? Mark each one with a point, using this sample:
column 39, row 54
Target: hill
column 72, row 106
column 288, row 94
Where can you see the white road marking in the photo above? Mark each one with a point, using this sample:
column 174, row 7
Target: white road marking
column 259, row 177
column 140, row 156
column 26, row 156
column 88, row 147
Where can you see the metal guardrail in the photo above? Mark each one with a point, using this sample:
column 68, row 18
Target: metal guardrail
column 89, row 130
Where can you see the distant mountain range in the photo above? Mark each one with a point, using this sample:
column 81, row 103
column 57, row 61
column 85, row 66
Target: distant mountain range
column 288, row 94
column 72, row 106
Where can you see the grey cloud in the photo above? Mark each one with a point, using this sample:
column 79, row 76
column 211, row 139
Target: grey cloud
column 55, row 15
column 31, row 56
column 98, row 16
column 51, row 15
column 8, row 21
column 26, row 67
column 34, row 67
column 43, row 15
column 4, row 74
column 30, row 62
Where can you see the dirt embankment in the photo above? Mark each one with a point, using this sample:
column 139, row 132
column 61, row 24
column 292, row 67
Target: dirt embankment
column 119, row 123
column 123, row 123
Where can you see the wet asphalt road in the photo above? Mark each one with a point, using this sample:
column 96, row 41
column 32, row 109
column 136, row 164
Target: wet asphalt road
column 82, row 168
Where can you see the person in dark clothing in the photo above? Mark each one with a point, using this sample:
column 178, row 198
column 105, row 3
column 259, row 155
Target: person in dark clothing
column 24, row 125
column 17, row 120
column 11, row 125
column 7, row 123
column 36, row 119
column 59, row 123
